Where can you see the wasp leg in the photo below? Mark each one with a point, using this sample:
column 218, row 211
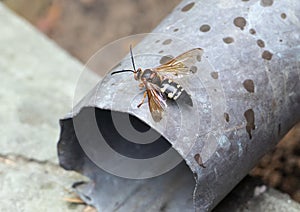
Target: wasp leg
column 142, row 102
column 141, row 85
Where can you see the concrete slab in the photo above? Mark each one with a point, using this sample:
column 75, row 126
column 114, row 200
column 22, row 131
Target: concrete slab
column 36, row 186
column 251, row 195
column 38, row 81
column 272, row 200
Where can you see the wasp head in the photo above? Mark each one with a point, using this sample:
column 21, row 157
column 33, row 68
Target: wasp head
column 137, row 74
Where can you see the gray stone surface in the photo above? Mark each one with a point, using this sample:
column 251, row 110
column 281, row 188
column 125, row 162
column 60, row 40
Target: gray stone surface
column 272, row 201
column 38, row 80
column 35, row 186
column 251, row 195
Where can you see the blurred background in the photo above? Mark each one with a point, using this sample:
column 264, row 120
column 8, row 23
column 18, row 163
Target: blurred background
column 82, row 27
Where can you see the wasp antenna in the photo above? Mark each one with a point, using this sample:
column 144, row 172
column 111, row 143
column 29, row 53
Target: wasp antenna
column 132, row 60
column 116, row 72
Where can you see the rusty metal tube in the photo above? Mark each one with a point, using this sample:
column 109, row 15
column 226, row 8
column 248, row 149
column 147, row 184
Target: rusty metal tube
column 245, row 93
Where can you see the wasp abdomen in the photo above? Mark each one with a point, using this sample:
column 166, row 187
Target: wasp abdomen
column 175, row 91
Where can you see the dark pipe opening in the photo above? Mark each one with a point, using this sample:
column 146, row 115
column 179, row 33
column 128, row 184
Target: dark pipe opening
column 124, row 146
column 81, row 131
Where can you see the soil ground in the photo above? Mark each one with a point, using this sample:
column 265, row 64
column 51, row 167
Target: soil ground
column 84, row 26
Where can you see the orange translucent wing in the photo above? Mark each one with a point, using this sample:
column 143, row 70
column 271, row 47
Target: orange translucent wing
column 181, row 65
column 156, row 100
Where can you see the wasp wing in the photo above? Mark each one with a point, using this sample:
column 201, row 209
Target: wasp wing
column 156, row 101
column 181, row 65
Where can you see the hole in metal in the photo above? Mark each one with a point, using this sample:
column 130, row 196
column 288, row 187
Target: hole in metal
column 249, row 85
column 188, row 7
column 205, row 28
column 166, row 42
column 226, row 116
column 267, row 55
column 260, row 43
column 283, row 15
column 252, row 31
column 214, row 75
column 240, row 22
column 165, row 59
column 228, row 40
column 266, row 3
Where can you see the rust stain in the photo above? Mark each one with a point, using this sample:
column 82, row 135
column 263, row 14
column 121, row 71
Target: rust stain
column 249, row 115
column 198, row 159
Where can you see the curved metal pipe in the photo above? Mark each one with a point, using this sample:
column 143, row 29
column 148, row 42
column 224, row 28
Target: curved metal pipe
column 245, row 93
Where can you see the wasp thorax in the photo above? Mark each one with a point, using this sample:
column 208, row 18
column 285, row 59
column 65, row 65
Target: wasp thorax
column 147, row 74
column 150, row 76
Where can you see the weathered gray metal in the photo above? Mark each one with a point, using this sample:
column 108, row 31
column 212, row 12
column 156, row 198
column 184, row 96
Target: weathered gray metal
column 246, row 96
